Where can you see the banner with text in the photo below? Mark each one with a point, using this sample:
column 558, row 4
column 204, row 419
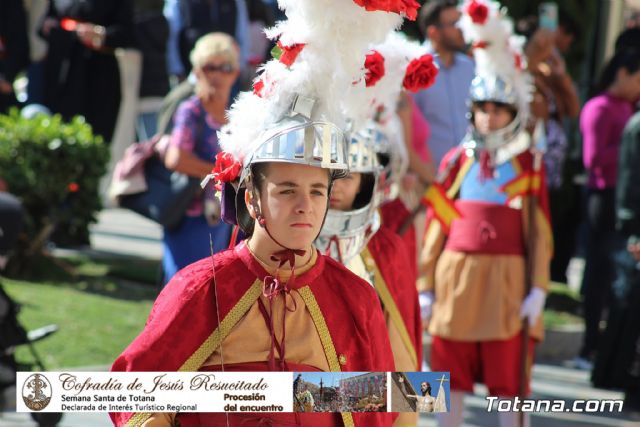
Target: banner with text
column 154, row 392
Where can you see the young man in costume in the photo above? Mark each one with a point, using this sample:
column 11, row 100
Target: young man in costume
column 353, row 234
column 488, row 233
column 283, row 147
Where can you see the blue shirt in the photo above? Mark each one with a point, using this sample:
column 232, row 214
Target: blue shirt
column 445, row 105
column 476, row 188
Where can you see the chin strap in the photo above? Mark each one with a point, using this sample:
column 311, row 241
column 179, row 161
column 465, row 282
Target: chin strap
column 334, row 240
column 272, row 287
column 486, row 166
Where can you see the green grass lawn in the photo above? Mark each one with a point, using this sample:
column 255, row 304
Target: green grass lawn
column 98, row 314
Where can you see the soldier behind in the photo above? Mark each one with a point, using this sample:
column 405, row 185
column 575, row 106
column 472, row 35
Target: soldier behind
column 489, row 203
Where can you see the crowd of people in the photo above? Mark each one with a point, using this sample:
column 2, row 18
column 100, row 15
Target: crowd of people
column 450, row 203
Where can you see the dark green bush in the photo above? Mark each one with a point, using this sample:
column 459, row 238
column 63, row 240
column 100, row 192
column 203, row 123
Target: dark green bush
column 54, row 168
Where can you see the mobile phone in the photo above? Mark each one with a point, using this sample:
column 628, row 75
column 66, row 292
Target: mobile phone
column 548, row 16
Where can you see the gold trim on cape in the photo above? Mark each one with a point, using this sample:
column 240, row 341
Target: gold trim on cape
column 325, row 338
column 390, row 305
column 212, row 342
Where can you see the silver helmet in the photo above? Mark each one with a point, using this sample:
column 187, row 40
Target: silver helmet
column 345, row 233
column 294, row 139
column 297, row 138
column 495, row 89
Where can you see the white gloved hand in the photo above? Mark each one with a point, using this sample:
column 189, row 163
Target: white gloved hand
column 426, row 304
column 533, row 305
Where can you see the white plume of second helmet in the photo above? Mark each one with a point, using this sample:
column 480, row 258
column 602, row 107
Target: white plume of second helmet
column 407, row 67
column 380, row 137
column 501, row 74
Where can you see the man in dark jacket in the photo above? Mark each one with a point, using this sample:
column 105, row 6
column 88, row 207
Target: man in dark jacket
column 617, row 362
column 14, row 49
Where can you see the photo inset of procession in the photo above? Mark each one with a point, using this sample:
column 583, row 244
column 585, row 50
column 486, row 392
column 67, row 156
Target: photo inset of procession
column 340, row 392
column 420, row 391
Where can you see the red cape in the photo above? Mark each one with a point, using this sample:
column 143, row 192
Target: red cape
column 184, row 316
column 393, row 261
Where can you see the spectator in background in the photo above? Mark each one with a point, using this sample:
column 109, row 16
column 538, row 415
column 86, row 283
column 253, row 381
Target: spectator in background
column 14, row 49
column 602, row 121
column 618, row 359
column 568, row 31
column 151, row 35
column 81, row 70
column 193, row 147
column 36, row 10
column 445, row 104
column 555, row 100
column 191, row 19
column 628, row 39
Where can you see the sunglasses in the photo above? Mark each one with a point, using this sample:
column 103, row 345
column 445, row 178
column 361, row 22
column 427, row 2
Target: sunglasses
column 225, row 68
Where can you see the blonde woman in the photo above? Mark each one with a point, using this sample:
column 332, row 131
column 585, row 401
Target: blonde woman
column 192, row 149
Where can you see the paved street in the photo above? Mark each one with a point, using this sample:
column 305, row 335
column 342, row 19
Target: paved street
column 127, row 234
column 549, row 382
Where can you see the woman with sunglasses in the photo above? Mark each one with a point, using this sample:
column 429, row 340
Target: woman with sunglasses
column 193, row 146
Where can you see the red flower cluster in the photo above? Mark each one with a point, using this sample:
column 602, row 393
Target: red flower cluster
column 478, row 12
column 289, row 54
column 374, row 64
column 73, row 187
column 408, row 8
column 421, row 73
column 258, row 87
column 480, row 45
column 227, row 168
column 517, row 59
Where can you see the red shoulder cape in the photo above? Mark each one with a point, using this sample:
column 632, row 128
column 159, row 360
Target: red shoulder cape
column 392, row 259
column 184, row 316
column 394, row 214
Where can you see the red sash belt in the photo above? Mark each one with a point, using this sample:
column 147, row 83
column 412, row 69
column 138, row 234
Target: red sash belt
column 486, row 228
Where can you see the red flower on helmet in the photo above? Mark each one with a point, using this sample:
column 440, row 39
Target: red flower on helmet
column 478, row 12
column 374, row 64
column 480, row 45
column 227, row 168
column 421, row 73
column 408, row 8
column 258, row 87
column 73, row 187
column 517, row 59
column 287, row 54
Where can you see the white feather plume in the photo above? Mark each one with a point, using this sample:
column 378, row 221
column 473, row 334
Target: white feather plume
column 380, row 100
column 336, row 35
column 398, row 52
column 500, row 49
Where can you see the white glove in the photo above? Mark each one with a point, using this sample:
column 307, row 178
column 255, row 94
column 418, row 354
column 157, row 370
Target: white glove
column 533, row 305
column 426, row 304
